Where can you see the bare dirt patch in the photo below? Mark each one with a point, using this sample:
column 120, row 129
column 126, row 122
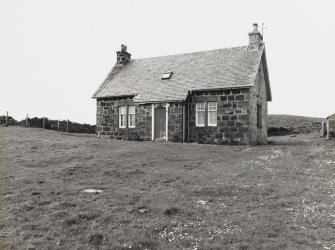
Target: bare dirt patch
column 165, row 195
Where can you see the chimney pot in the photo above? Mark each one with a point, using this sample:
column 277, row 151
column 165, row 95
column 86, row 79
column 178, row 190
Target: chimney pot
column 123, row 48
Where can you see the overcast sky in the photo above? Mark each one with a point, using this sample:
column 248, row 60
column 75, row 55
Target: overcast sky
column 55, row 54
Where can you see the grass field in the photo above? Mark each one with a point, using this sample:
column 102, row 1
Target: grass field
column 164, row 195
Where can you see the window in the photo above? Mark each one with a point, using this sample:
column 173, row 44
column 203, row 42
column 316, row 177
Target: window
column 131, row 116
column 122, row 116
column 200, row 114
column 212, row 113
column 259, row 116
column 167, row 75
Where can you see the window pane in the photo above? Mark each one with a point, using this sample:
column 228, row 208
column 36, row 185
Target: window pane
column 122, row 110
column 212, row 106
column 200, row 106
column 131, row 116
column 131, row 109
column 122, row 120
column 200, row 114
column 122, row 116
column 200, row 118
column 131, row 120
column 212, row 118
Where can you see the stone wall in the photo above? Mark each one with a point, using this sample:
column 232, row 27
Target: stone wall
column 58, row 125
column 236, row 117
column 233, row 117
column 258, row 96
column 7, row 121
column 175, row 122
column 108, row 119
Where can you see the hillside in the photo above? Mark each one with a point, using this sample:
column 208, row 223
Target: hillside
column 279, row 125
column 164, row 195
column 291, row 121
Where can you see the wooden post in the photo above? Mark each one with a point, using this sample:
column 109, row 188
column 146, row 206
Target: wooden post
column 43, row 122
column 58, row 124
column 67, row 126
column 188, row 118
column 322, row 128
column 167, row 121
column 7, row 119
column 27, row 121
column 328, row 128
column 152, row 122
column 183, row 122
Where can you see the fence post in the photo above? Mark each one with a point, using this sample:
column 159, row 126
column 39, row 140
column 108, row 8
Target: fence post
column 58, row 124
column 7, row 119
column 323, row 129
column 27, row 120
column 43, row 122
column 67, row 126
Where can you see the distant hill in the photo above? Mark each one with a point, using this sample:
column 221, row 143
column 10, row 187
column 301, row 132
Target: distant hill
column 291, row 121
column 292, row 124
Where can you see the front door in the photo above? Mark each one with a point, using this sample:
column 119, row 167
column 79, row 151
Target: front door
column 160, row 122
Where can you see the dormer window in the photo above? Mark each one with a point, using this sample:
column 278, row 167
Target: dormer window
column 167, row 75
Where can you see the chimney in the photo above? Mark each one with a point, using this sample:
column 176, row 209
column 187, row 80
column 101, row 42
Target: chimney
column 123, row 48
column 123, row 56
column 255, row 37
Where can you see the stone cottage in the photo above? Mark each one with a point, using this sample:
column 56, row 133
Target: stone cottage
column 217, row 96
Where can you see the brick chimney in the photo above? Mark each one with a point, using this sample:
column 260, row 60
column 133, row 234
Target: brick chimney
column 255, row 37
column 123, row 56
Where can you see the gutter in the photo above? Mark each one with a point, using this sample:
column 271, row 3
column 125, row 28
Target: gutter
column 112, row 96
column 234, row 87
column 156, row 102
column 196, row 90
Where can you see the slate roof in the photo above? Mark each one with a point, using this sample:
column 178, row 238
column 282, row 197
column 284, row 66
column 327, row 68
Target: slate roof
column 215, row 69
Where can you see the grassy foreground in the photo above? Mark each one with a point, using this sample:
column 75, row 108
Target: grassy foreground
column 165, row 195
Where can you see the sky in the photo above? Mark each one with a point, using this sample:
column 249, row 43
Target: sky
column 55, row 54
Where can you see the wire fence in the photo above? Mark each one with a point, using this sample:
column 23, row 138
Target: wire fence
column 46, row 123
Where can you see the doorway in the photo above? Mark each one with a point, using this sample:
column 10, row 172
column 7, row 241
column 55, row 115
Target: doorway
column 160, row 122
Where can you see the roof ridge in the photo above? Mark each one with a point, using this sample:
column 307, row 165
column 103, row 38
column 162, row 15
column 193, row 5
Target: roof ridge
column 188, row 53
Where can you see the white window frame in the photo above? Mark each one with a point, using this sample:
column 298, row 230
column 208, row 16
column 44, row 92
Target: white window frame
column 200, row 107
column 130, row 114
column 122, row 114
column 212, row 110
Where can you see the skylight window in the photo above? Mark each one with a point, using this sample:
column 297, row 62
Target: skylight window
column 167, row 75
